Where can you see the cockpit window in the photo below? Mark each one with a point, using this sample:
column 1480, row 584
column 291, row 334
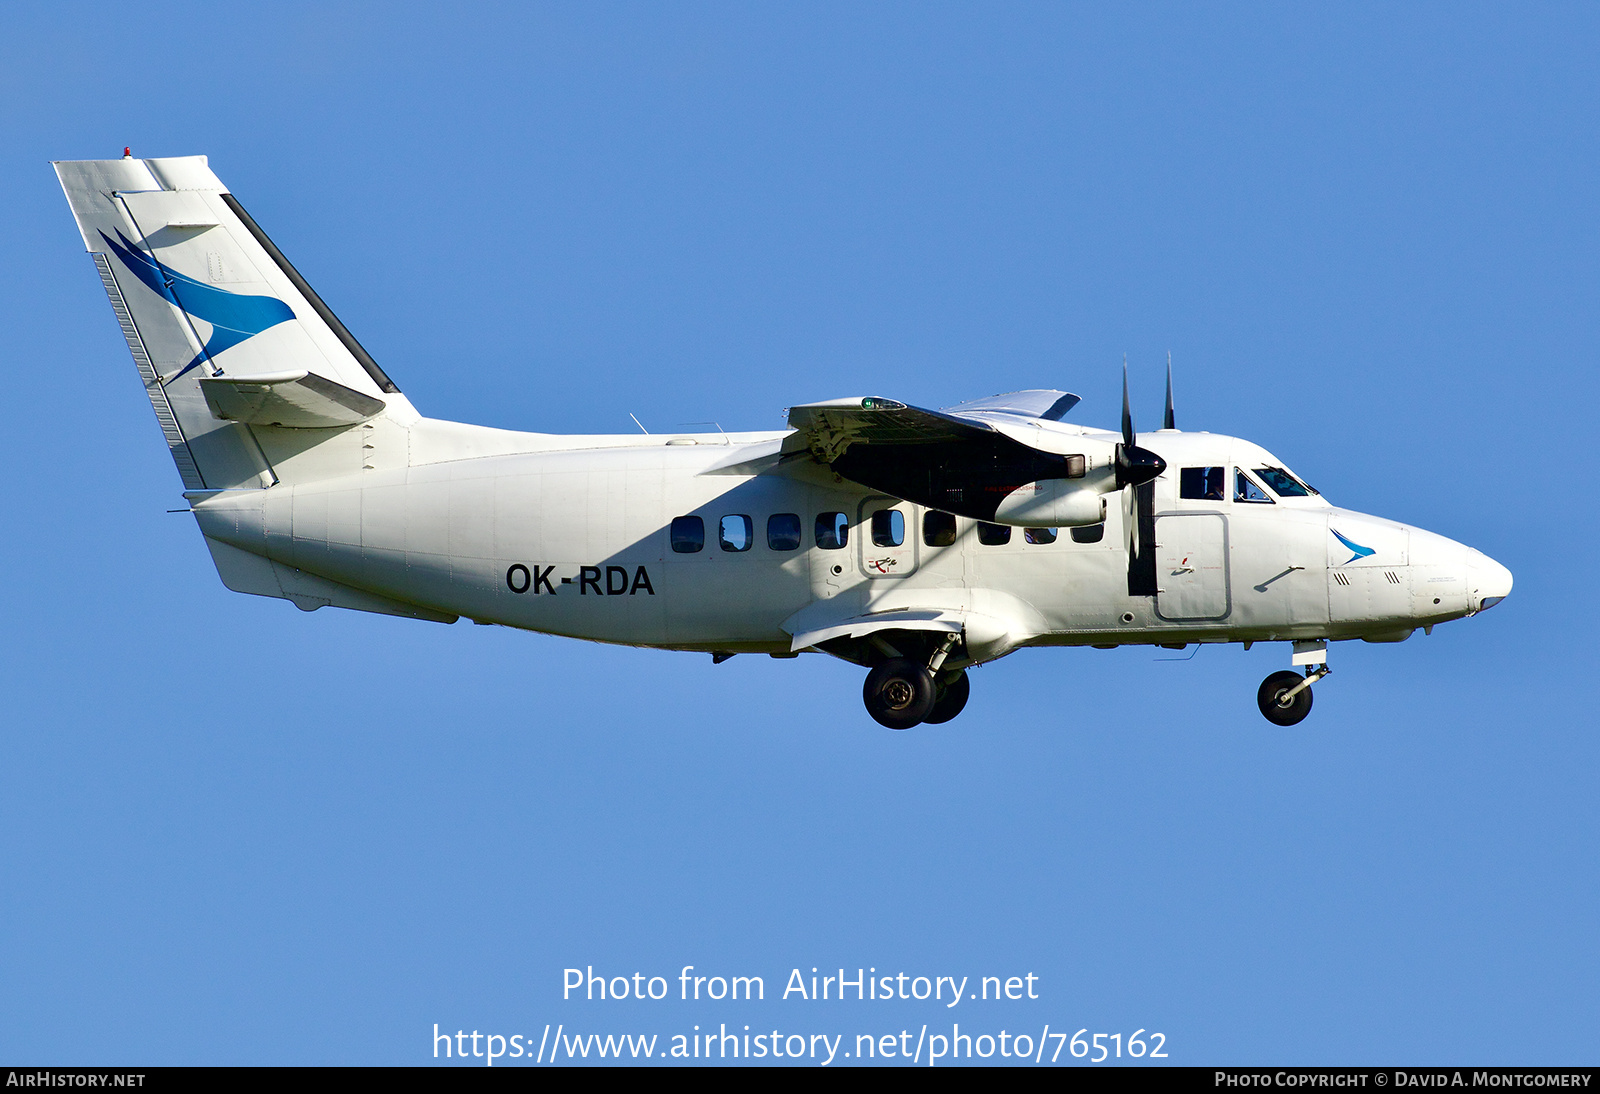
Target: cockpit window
column 1202, row 483
column 1245, row 488
column 1283, row 484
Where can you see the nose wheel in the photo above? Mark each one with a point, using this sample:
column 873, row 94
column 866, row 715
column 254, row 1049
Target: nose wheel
column 1285, row 697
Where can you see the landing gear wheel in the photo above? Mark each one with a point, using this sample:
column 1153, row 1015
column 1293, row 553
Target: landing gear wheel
column 898, row 693
column 1273, row 688
column 950, row 699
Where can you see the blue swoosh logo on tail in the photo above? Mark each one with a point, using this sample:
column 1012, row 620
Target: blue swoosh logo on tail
column 1360, row 551
column 233, row 316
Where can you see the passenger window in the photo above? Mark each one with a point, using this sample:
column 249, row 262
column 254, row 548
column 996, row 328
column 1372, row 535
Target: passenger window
column 735, row 533
column 993, row 535
column 938, row 529
column 1245, row 489
column 1202, row 483
column 783, row 531
column 833, row 531
column 1039, row 535
column 688, row 534
column 1283, row 484
column 1092, row 533
column 888, row 528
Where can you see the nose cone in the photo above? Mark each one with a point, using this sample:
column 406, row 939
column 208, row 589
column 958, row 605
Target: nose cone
column 1488, row 582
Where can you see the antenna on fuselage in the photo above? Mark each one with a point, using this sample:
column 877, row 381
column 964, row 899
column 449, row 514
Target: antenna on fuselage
column 1170, row 421
column 646, row 432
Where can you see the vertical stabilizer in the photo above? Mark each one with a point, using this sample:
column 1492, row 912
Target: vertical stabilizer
column 201, row 293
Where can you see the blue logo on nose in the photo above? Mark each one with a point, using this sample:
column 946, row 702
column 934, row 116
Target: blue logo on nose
column 233, row 316
column 1360, row 551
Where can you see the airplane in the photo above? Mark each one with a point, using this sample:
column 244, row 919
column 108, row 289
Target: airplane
column 914, row 543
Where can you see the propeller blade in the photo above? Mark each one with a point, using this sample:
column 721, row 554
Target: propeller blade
column 1130, row 524
column 1134, row 464
column 1127, row 410
column 1170, row 421
column 1137, row 469
column 1142, row 559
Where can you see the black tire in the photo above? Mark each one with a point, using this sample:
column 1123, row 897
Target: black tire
column 1276, row 713
column 898, row 693
column 949, row 700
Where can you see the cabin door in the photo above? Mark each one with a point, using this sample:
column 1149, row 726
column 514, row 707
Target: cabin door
column 1192, row 567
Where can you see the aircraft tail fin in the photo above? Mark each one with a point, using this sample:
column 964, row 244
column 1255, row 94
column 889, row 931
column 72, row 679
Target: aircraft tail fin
column 225, row 333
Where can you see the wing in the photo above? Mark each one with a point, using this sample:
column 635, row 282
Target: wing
column 1051, row 406
column 967, row 460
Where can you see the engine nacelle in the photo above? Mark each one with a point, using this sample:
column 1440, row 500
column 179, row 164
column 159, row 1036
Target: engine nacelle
column 1053, row 503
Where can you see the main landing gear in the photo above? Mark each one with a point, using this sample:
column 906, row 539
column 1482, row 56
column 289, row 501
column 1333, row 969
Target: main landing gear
column 1285, row 697
column 901, row 693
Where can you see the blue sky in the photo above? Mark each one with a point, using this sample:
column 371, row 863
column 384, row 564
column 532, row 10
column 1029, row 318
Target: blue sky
column 233, row 832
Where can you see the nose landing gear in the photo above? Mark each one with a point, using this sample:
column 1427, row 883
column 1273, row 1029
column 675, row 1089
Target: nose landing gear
column 1285, row 698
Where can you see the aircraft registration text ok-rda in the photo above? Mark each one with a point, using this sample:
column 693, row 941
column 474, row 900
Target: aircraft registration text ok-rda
column 915, row 543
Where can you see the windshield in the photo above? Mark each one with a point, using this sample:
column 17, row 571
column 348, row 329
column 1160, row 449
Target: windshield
column 1283, row 484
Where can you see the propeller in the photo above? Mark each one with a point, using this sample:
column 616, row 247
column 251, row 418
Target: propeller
column 1170, row 420
column 1137, row 469
column 1135, row 465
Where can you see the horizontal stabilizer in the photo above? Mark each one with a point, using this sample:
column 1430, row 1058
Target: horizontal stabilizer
column 295, row 398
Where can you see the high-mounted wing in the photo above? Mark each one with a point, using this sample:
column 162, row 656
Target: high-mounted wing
column 1051, row 406
column 961, row 460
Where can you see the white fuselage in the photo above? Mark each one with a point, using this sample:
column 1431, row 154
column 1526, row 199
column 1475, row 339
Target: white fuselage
column 575, row 541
